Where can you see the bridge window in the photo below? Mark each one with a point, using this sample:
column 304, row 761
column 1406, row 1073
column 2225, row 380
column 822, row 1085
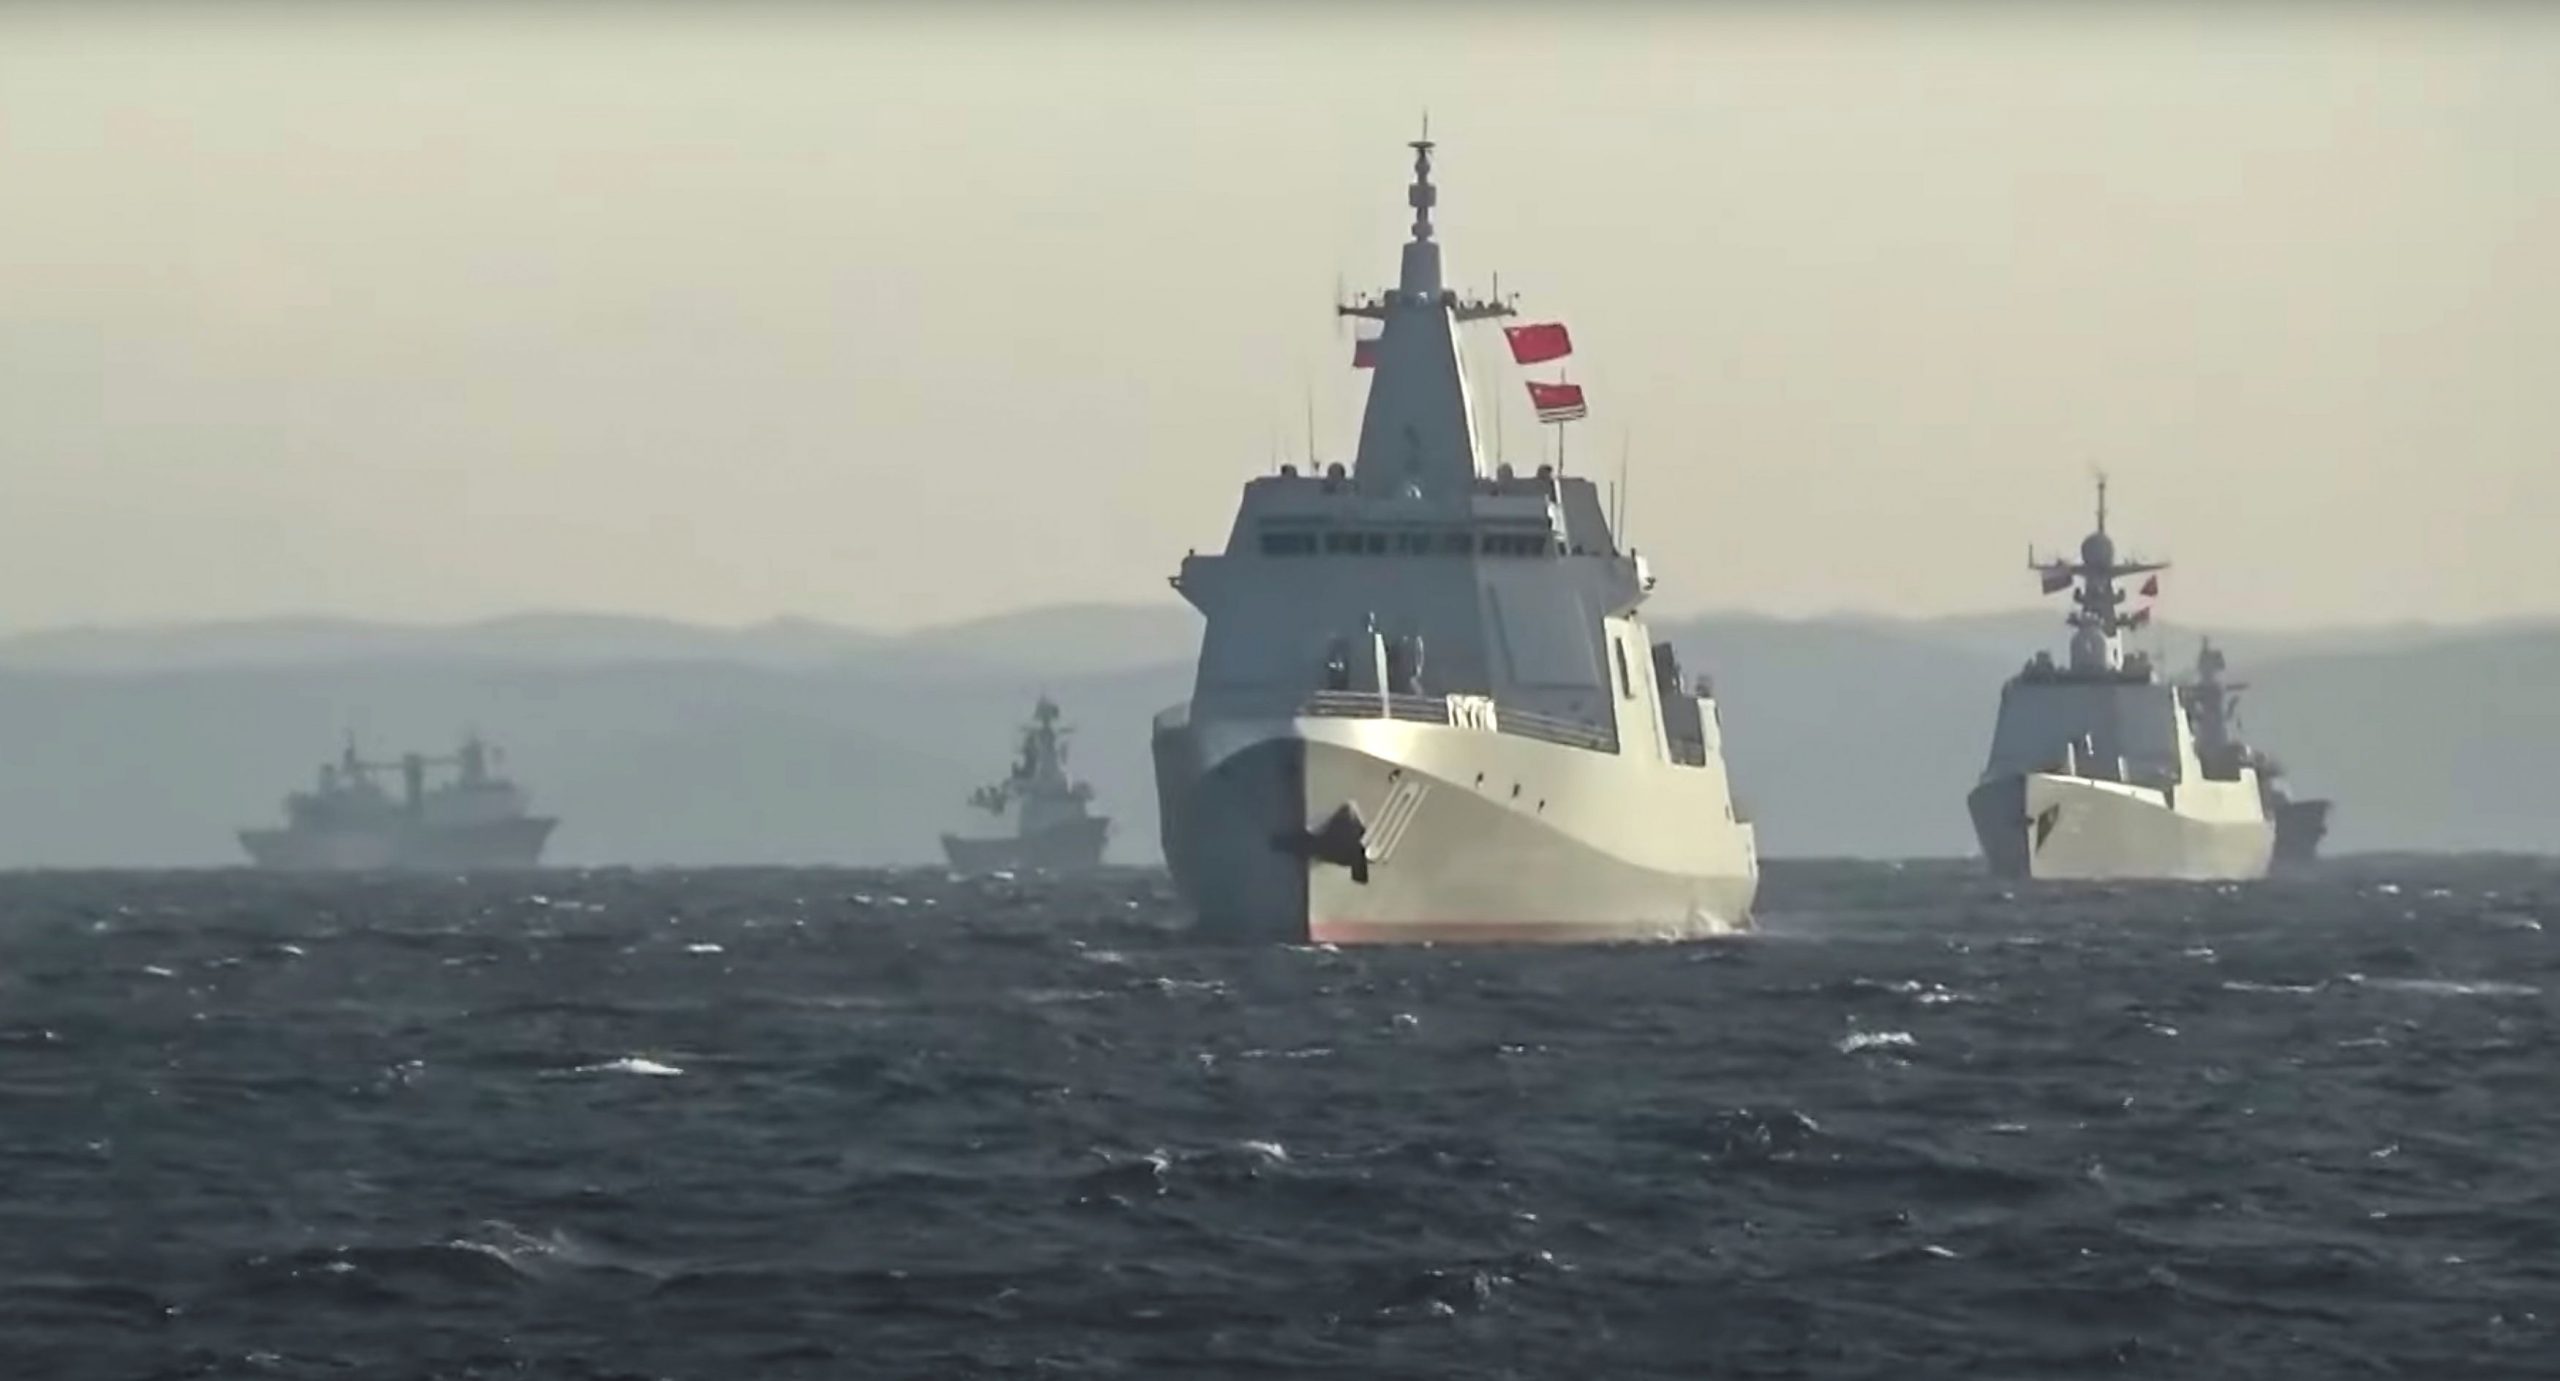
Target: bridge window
column 1288, row 543
column 1626, row 684
column 1517, row 544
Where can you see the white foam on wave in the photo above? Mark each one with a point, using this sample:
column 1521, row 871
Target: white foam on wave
column 702, row 947
column 2447, row 987
column 633, row 1064
column 1856, row 1041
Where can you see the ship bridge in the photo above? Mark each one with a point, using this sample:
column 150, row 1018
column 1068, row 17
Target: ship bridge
column 1420, row 570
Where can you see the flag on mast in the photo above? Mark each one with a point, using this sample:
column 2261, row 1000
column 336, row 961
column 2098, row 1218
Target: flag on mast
column 1364, row 353
column 1557, row 402
column 2151, row 587
column 1538, row 342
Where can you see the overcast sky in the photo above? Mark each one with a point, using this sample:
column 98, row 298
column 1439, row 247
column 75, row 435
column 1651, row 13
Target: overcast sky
column 886, row 318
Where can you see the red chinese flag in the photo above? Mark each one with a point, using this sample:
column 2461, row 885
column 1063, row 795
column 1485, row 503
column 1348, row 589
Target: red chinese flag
column 1538, row 343
column 1364, row 353
column 1557, row 402
column 2151, row 586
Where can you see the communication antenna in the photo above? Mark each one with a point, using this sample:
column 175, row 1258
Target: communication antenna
column 1618, row 520
column 1311, row 426
column 1495, row 398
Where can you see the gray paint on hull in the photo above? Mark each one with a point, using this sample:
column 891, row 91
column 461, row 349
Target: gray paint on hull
column 2046, row 826
column 1071, row 846
column 496, row 846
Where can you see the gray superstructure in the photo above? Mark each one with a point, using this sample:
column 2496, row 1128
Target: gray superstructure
column 1046, row 816
column 2094, row 771
column 1426, row 705
column 2214, row 703
column 478, row 821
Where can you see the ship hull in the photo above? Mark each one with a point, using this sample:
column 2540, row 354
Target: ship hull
column 2300, row 826
column 1258, row 831
column 1070, row 847
column 497, row 846
column 2047, row 826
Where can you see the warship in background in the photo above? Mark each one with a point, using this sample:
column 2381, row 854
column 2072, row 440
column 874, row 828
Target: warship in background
column 1549, row 775
column 2214, row 704
column 2094, row 770
column 478, row 821
column 1052, row 829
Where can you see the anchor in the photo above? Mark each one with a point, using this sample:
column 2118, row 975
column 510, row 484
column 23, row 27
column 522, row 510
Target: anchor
column 2045, row 820
column 1341, row 840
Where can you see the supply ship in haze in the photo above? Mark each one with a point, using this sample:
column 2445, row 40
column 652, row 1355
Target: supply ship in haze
column 2095, row 771
column 1052, row 830
column 477, row 821
column 1546, row 774
column 2214, row 704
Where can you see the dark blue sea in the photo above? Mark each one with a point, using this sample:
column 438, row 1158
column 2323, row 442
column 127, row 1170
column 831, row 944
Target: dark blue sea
column 761, row 1124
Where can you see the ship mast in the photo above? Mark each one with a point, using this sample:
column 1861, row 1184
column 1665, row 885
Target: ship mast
column 2097, row 619
column 1418, row 432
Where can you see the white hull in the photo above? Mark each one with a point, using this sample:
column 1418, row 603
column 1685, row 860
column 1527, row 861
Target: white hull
column 1469, row 836
column 2049, row 826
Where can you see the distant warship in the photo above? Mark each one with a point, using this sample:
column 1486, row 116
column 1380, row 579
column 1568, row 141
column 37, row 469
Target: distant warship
column 2214, row 704
column 1548, row 774
column 347, row 822
column 2095, row 771
column 1052, row 831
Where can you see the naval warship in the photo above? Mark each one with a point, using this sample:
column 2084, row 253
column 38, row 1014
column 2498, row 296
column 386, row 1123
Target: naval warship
column 2214, row 704
column 1051, row 828
column 347, row 822
column 1548, row 773
column 2095, row 771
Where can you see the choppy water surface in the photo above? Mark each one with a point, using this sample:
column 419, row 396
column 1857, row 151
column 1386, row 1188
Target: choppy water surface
column 777, row 1124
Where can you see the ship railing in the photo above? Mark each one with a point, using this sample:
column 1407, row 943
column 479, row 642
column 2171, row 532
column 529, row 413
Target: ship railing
column 1458, row 711
column 1462, row 711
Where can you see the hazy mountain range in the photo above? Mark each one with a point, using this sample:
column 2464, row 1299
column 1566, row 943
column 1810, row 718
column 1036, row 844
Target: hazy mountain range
column 796, row 741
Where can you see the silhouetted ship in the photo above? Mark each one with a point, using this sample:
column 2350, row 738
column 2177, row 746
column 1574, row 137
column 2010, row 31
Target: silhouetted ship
column 1051, row 828
column 347, row 823
column 2096, row 771
column 2214, row 704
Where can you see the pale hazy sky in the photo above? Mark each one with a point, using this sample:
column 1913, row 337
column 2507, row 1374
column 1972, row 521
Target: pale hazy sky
column 887, row 318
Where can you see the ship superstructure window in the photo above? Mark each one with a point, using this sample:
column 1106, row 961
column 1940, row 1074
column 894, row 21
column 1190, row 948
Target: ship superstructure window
column 1626, row 685
column 1422, row 541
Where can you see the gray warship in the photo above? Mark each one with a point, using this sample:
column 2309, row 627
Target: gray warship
column 476, row 822
column 2214, row 704
column 2095, row 771
column 1052, row 830
column 1549, row 774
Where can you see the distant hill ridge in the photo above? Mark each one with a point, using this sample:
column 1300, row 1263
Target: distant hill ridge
column 795, row 741
column 1085, row 636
